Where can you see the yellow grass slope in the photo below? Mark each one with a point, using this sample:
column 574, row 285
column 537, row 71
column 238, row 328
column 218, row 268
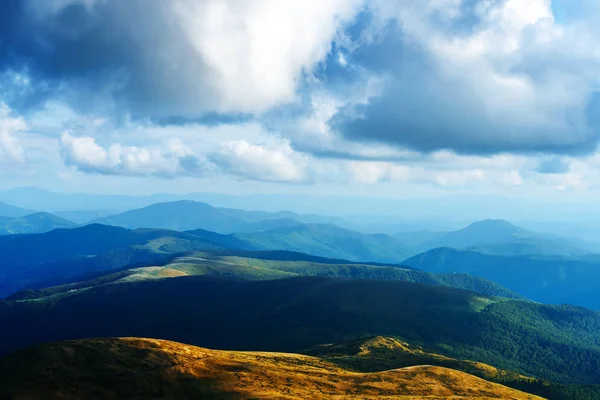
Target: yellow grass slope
column 131, row 368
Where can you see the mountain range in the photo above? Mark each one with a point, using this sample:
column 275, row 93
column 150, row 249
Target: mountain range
column 548, row 342
column 549, row 279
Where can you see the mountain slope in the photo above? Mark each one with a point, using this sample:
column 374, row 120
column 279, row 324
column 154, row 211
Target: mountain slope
column 42, row 259
column 502, row 238
column 158, row 369
column 245, row 265
column 33, row 223
column 383, row 353
column 549, row 342
column 551, row 280
column 330, row 241
column 190, row 215
column 7, row 210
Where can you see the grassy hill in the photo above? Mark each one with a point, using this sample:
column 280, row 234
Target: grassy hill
column 330, row 241
column 557, row 343
column 33, row 223
column 502, row 238
column 383, row 353
column 158, row 369
column 267, row 265
column 553, row 280
column 48, row 258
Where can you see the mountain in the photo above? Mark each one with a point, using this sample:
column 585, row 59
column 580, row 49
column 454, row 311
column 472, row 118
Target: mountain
column 553, row 280
column 6, row 210
column 159, row 369
column 83, row 216
column 266, row 265
column 189, row 215
column 49, row 258
column 33, row 223
column 502, row 238
column 45, row 200
column 556, row 343
column 384, row 353
column 330, row 241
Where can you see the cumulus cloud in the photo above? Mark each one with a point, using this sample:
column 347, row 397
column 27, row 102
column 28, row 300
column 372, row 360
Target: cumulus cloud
column 262, row 162
column 11, row 150
column 171, row 58
column 85, row 154
column 478, row 77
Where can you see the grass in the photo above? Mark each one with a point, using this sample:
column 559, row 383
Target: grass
column 158, row 369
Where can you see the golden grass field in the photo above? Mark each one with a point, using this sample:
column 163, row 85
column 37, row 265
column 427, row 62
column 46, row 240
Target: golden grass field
column 132, row 368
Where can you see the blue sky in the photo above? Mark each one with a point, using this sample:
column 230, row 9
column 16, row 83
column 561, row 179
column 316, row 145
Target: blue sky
column 387, row 98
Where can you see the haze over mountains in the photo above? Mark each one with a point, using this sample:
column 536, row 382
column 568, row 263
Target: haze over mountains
column 491, row 291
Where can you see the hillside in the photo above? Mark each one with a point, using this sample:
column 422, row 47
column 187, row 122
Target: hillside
column 65, row 253
column 330, row 241
column 188, row 215
column 548, row 342
column 552, row 280
column 33, row 223
column 266, row 265
column 7, row 210
column 383, row 353
column 502, row 238
column 158, row 369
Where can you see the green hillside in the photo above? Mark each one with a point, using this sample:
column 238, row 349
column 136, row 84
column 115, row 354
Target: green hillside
column 549, row 342
column 244, row 265
column 554, row 280
column 64, row 253
column 330, row 241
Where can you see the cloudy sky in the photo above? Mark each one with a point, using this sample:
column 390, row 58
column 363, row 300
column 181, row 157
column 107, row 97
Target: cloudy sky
column 398, row 98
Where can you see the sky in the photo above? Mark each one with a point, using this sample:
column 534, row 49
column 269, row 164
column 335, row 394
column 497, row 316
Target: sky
column 406, row 98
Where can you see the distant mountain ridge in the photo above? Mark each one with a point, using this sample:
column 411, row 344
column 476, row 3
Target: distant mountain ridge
column 40, row 222
column 503, row 238
column 554, row 280
column 185, row 215
column 330, row 241
column 7, row 210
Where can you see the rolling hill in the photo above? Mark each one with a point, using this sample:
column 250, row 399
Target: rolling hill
column 330, row 241
column 553, row 280
column 556, row 343
column 267, row 265
column 503, row 238
column 159, row 369
column 66, row 253
column 33, row 223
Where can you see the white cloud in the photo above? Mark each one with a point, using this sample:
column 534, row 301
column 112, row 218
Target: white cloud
column 277, row 163
column 11, row 150
column 173, row 159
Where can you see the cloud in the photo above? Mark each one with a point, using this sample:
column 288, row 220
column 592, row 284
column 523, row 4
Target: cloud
column 177, row 58
column 261, row 162
column 86, row 155
column 11, row 150
column 477, row 77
